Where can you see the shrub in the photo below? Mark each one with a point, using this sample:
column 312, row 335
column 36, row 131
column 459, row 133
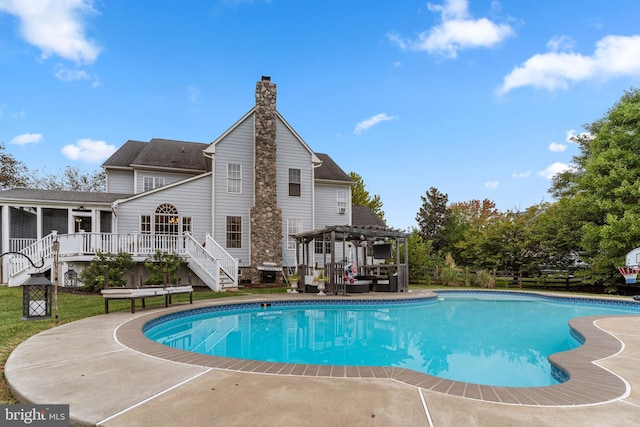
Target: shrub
column 163, row 267
column 106, row 267
column 449, row 274
column 485, row 279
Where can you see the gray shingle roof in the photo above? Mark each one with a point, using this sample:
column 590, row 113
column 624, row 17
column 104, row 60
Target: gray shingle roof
column 160, row 153
column 125, row 154
column 24, row 194
column 329, row 170
column 364, row 215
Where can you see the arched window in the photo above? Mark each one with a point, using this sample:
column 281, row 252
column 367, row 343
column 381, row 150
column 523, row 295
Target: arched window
column 167, row 219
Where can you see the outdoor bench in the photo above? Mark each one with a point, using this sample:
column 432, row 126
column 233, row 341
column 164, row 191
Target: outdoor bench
column 134, row 294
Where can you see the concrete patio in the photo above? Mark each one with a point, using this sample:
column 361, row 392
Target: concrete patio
column 111, row 376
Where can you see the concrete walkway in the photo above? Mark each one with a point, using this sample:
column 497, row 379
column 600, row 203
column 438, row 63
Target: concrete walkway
column 109, row 384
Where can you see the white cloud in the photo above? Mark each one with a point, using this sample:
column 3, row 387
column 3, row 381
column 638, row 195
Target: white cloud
column 557, row 148
column 614, row 56
column 492, row 184
column 68, row 75
column 560, row 43
column 554, row 169
column 27, row 138
column 371, row 121
column 88, row 150
column 457, row 31
column 526, row 174
column 56, row 27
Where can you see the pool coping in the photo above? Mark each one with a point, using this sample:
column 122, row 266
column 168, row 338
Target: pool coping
column 581, row 364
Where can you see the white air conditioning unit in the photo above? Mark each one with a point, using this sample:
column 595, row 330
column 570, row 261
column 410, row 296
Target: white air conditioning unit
column 342, row 210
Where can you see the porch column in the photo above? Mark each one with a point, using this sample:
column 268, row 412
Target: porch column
column 38, row 223
column 71, row 226
column 4, row 245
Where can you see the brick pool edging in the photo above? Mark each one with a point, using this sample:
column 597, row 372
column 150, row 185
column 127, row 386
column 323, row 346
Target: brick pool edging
column 588, row 383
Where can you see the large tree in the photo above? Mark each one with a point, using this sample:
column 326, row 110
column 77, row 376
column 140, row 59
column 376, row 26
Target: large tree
column 13, row 173
column 70, row 179
column 433, row 218
column 361, row 197
column 604, row 185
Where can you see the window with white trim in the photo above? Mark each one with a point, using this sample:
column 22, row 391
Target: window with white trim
column 342, row 201
column 318, row 246
column 294, row 225
column 234, row 178
column 145, row 224
column 294, row 183
column 186, row 224
column 151, row 183
column 234, row 232
column 166, row 219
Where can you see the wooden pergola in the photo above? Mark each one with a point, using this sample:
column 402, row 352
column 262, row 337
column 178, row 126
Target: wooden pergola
column 360, row 237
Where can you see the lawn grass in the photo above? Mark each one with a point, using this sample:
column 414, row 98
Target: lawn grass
column 71, row 307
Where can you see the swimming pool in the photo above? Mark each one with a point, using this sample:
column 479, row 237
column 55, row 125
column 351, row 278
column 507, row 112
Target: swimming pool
column 488, row 338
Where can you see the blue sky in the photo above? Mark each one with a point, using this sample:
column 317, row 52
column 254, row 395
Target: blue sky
column 474, row 97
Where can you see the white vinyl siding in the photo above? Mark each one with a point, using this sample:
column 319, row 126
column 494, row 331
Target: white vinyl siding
column 191, row 199
column 325, row 201
column 293, row 155
column 120, row 182
column 236, row 148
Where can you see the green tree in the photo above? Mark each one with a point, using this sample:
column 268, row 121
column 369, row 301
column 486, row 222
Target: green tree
column 433, row 218
column 605, row 181
column 468, row 218
column 106, row 269
column 361, row 197
column 163, row 267
column 13, row 173
column 559, row 230
column 422, row 260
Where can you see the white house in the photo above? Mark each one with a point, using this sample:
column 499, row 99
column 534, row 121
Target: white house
column 229, row 206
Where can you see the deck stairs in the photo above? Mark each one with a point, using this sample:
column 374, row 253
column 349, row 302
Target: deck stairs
column 210, row 262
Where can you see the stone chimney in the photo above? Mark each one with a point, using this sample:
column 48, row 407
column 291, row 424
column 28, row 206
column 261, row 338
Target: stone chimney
column 266, row 216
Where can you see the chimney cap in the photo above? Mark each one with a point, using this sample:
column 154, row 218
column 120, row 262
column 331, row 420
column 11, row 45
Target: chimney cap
column 266, row 78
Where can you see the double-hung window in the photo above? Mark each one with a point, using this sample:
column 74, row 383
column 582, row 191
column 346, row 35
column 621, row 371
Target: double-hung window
column 234, row 178
column 234, row 232
column 342, row 201
column 294, row 225
column 151, row 183
column 294, row 182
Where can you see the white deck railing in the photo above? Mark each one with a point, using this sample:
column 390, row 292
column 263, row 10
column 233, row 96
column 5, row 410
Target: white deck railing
column 205, row 264
column 18, row 244
column 38, row 252
column 138, row 245
column 228, row 264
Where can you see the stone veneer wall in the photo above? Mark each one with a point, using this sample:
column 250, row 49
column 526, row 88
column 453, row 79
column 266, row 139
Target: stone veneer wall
column 266, row 216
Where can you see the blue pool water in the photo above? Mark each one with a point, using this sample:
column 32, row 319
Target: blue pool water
column 485, row 338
